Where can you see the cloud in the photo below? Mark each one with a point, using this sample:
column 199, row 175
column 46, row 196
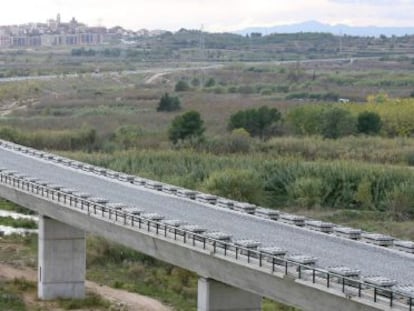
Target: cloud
column 215, row 15
column 372, row 2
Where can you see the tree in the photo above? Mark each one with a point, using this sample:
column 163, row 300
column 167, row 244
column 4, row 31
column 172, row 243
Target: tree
column 182, row 86
column 369, row 123
column 210, row 82
column 187, row 125
column 338, row 122
column 169, row 103
column 195, row 82
column 306, row 119
column 257, row 122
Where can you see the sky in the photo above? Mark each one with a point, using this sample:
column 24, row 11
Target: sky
column 212, row 15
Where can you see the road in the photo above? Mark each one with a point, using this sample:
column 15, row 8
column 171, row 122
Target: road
column 163, row 71
column 109, row 73
column 330, row 250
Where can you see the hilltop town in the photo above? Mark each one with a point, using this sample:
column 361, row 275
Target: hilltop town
column 57, row 33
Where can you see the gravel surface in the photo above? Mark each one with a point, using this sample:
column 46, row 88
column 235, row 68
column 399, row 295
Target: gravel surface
column 330, row 250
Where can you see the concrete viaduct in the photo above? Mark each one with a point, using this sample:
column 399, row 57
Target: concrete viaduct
column 234, row 273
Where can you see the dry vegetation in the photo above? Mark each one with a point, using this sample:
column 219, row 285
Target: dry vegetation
column 110, row 119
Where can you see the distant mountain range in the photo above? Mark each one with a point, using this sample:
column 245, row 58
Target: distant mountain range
column 314, row 26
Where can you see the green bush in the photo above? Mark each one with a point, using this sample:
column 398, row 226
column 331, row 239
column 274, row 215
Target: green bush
column 363, row 195
column 195, row 82
column 410, row 158
column 232, row 89
column 266, row 92
column 18, row 223
column 219, row 90
column 210, row 82
column 182, row 86
column 306, row 192
column 337, row 122
column 306, row 120
column 239, row 141
column 127, row 136
column 400, row 201
column 257, row 122
column 76, row 139
column 169, row 103
column 242, row 185
column 186, row 126
column 246, row 89
column 369, row 123
column 92, row 300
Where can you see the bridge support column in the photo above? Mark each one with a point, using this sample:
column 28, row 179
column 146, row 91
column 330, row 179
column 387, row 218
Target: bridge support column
column 216, row 296
column 62, row 260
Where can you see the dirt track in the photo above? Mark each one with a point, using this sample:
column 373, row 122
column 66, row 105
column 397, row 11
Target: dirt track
column 125, row 300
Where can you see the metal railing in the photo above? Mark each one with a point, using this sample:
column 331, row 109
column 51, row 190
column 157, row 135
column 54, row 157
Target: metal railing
column 138, row 181
column 261, row 260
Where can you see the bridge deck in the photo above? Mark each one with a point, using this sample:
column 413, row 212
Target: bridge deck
column 330, row 250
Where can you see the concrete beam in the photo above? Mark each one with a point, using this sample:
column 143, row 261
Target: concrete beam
column 216, row 296
column 277, row 287
column 62, row 260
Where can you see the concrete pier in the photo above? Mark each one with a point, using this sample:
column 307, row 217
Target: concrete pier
column 62, row 260
column 216, row 296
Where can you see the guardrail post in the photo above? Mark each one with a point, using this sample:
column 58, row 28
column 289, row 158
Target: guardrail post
column 286, row 267
column 391, row 298
column 359, row 289
column 260, row 259
column 299, row 272
column 313, row 276
column 411, row 304
column 375, row 294
column 343, row 285
column 328, row 276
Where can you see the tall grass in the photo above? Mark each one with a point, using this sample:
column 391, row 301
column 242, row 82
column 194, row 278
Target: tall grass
column 363, row 148
column 285, row 181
